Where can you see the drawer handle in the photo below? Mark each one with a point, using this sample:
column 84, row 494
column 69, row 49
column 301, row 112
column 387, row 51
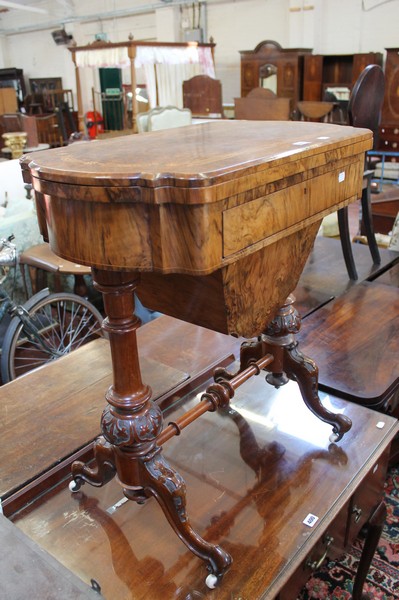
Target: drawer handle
column 357, row 512
column 314, row 565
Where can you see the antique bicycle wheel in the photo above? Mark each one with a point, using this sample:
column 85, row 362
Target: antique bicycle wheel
column 55, row 325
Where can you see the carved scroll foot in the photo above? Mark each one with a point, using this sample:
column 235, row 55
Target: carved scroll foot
column 102, row 471
column 289, row 363
column 303, row 370
column 169, row 489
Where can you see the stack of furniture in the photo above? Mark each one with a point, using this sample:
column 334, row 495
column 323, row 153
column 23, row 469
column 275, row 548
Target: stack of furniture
column 298, row 74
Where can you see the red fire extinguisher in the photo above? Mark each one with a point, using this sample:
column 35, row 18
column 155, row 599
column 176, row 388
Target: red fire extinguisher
column 94, row 123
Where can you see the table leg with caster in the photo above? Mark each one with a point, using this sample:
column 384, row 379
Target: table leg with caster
column 279, row 341
column 131, row 424
column 290, row 363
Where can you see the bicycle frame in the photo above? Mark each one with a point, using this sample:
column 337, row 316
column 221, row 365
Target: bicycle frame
column 8, row 306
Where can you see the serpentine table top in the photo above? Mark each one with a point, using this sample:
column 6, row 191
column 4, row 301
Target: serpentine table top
column 224, row 212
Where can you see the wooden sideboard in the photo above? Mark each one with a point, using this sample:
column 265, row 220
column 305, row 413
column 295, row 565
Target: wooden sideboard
column 336, row 70
column 285, row 63
column 299, row 74
column 389, row 130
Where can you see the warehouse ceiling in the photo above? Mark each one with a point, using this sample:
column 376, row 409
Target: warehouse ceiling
column 21, row 16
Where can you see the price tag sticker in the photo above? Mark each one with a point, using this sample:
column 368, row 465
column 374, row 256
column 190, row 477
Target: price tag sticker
column 310, row 520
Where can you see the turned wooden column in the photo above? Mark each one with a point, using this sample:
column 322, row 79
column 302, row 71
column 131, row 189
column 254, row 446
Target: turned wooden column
column 131, row 421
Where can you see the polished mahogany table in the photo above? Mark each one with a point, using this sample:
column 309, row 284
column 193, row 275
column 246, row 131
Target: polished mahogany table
column 213, row 223
column 254, row 471
column 254, row 475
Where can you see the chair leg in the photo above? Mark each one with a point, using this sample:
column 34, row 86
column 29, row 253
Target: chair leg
column 26, row 280
column 368, row 223
column 80, row 287
column 343, row 224
column 57, row 282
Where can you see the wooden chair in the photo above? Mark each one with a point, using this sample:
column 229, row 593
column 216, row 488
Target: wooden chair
column 315, row 111
column 262, row 109
column 364, row 110
column 39, row 261
column 10, row 122
column 203, row 96
column 48, row 130
column 260, row 92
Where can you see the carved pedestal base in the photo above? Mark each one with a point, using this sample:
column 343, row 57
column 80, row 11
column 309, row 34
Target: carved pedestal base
column 130, row 448
column 131, row 424
column 289, row 363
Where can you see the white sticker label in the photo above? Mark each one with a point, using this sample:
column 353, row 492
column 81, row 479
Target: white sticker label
column 310, row 520
column 341, row 177
column 380, row 424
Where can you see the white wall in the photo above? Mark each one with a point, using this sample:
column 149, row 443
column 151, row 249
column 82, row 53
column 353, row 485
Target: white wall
column 239, row 26
column 330, row 27
column 40, row 57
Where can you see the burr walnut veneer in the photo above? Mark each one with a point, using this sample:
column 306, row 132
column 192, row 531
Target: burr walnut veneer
column 221, row 203
column 212, row 223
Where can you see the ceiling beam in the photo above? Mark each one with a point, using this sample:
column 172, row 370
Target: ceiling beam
column 8, row 4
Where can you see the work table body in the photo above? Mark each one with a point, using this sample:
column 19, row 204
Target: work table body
column 225, row 212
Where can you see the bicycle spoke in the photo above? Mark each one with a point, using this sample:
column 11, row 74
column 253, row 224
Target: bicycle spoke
column 58, row 324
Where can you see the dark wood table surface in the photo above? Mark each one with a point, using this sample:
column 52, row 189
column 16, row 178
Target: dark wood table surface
column 27, row 571
column 33, row 408
column 356, row 349
column 325, row 277
column 253, row 475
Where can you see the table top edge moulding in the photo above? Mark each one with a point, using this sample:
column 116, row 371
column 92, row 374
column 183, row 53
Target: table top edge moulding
column 197, row 156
